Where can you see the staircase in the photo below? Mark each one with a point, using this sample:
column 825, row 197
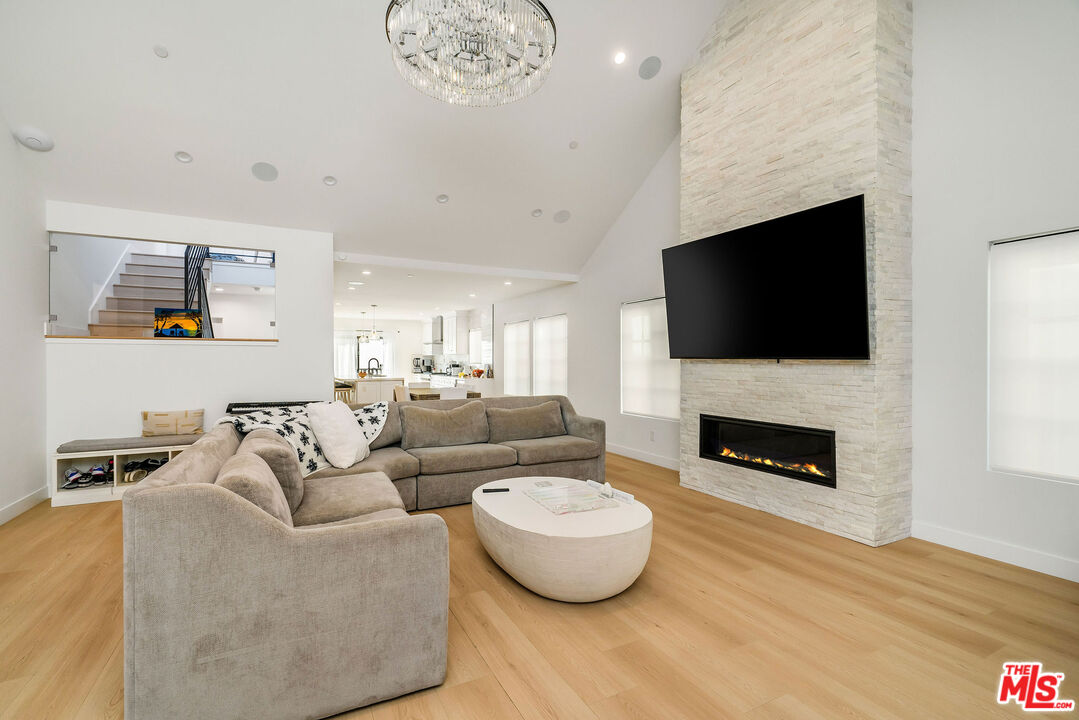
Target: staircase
column 147, row 282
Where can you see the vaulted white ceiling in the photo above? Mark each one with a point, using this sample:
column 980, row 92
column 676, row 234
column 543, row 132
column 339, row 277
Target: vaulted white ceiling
column 310, row 87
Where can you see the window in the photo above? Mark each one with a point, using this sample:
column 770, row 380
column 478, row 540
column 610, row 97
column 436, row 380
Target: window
column 1034, row 356
column 517, row 358
column 651, row 380
column 381, row 350
column 550, row 359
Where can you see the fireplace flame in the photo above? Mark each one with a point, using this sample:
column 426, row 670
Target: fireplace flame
column 808, row 468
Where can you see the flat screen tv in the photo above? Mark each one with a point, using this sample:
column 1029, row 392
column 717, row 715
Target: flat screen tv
column 790, row 288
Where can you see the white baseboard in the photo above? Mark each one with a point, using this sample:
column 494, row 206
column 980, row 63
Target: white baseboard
column 21, row 505
column 1062, row 567
column 661, row 460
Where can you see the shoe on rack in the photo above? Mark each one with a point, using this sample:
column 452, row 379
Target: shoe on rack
column 97, row 475
column 110, row 471
column 72, row 476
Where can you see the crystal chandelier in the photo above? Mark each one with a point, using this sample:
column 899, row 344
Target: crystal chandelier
column 479, row 53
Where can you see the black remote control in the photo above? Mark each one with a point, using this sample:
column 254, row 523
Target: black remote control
column 487, row 490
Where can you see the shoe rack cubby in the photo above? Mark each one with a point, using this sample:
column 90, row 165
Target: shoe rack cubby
column 114, row 489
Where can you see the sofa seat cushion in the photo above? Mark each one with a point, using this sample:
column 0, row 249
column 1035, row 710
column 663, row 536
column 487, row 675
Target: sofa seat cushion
column 464, row 458
column 329, row 499
column 553, row 449
column 423, row 427
column 250, row 477
column 393, row 461
column 126, row 443
column 391, row 514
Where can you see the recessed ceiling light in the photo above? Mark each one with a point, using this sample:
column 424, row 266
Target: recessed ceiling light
column 472, row 294
column 562, row 216
column 350, row 287
column 184, row 157
column 443, row 199
column 650, row 68
column 411, row 275
column 355, row 282
column 537, row 212
column 264, row 171
column 329, row 180
column 508, row 282
column 337, row 303
column 33, row 138
column 366, row 272
column 161, row 51
column 619, row 58
column 218, row 289
column 573, row 144
column 341, row 256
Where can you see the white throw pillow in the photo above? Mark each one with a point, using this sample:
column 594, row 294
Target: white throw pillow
column 338, row 434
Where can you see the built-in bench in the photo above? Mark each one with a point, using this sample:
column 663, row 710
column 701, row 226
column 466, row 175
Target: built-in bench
column 83, row 454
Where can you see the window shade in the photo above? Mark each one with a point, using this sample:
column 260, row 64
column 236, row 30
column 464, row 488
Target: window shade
column 1034, row 356
column 651, row 380
column 344, row 355
column 517, row 358
column 551, row 356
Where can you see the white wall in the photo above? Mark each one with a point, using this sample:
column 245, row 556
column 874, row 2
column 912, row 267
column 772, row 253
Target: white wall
column 97, row 388
column 24, row 295
column 625, row 267
column 78, row 271
column 995, row 155
column 244, row 315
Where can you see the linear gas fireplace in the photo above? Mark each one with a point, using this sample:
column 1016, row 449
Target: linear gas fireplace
column 798, row 452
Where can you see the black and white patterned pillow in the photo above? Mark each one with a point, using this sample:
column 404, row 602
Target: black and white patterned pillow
column 371, row 419
column 293, row 424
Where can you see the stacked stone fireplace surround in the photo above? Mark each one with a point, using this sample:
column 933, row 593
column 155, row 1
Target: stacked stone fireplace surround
column 790, row 105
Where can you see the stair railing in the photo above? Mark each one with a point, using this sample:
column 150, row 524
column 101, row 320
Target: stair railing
column 195, row 297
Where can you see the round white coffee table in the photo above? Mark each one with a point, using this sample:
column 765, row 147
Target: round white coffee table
column 576, row 557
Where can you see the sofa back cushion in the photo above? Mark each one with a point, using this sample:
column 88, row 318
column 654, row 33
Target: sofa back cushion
column 248, row 475
column 526, row 423
column 280, row 456
column 430, row 427
column 199, row 463
column 391, row 429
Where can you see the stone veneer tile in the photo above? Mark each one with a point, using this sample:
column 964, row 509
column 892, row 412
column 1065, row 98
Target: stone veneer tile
column 791, row 104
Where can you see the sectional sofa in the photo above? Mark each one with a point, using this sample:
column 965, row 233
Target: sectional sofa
column 251, row 591
column 435, row 465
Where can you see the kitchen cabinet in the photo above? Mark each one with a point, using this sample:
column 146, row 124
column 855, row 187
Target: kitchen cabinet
column 455, row 332
column 449, row 333
column 369, row 392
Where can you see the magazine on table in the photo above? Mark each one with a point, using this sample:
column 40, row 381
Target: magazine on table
column 572, row 499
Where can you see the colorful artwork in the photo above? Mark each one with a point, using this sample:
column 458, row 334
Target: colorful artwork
column 181, row 323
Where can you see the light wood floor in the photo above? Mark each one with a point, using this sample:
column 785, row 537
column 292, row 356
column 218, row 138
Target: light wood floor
column 738, row 614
